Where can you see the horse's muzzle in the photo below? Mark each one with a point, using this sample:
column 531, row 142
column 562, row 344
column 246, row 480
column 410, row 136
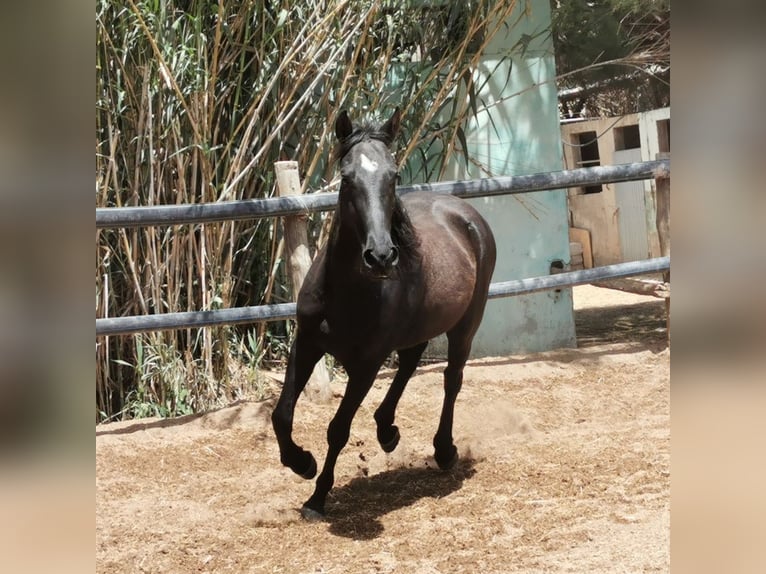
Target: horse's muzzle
column 381, row 261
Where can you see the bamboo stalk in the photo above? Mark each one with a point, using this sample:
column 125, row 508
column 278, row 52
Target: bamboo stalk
column 276, row 257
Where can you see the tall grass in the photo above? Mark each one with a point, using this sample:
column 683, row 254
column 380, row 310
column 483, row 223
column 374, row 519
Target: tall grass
column 195, row 101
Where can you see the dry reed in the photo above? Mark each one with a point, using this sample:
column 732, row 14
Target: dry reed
column 195, row 101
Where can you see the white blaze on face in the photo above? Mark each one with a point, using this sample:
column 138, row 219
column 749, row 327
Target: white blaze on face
column 368, row 164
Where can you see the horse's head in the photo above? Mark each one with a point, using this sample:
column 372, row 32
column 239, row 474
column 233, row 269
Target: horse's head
column 367, row 189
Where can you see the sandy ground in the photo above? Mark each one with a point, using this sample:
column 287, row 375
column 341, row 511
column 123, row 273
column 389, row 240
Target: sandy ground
column 565, row 467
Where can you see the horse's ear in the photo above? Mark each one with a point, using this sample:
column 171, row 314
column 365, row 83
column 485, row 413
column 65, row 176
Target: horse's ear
column 391, row 127
column 343, row 126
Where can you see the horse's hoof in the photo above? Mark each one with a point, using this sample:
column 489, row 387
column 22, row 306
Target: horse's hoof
column 311, row 471
column 448, row 463
column 391, row 445
column 311, row 515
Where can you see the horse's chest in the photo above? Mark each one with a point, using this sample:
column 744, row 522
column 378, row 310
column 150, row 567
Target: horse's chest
column 354, row 320
column 357, row 326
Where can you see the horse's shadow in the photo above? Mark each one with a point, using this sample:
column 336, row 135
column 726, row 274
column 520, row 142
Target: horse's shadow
column 354, row 509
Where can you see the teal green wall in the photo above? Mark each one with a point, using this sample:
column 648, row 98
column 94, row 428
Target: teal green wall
column 531, row 230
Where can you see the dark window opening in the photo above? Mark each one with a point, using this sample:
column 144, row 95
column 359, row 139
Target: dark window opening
column 557, row 266
column 587, row 145
column 627, row 137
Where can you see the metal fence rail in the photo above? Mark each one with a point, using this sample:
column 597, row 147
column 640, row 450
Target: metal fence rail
column 292, row 205
column 113, row 217
column 582, row 277
column 168, row 321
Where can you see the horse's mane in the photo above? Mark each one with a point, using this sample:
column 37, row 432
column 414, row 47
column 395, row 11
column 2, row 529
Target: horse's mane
column 403, row 234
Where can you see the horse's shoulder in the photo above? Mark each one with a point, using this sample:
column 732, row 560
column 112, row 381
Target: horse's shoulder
column 311, row 298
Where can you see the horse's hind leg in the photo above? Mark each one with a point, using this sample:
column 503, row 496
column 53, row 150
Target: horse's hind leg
column 388, row 433
column 445, row 452
column 460, row 338
column 304, row 354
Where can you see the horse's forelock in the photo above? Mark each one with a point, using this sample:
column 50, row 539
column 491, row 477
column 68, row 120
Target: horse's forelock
column 362, row 132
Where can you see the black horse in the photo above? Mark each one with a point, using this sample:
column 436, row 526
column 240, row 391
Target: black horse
column 395, row 273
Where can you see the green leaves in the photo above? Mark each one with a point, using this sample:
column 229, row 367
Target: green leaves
column 612, row 51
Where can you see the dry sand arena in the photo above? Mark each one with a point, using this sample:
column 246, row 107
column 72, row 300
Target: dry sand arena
column 565, row 467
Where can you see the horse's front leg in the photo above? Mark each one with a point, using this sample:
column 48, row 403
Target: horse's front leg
column 388, row 432
column 338, row 431
column 304, row 354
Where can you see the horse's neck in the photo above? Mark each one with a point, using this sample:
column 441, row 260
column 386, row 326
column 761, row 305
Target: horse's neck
column 343, row 254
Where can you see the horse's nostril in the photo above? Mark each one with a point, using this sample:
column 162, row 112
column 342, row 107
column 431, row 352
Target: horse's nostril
column 393, row 257
column 382, row 260
column 369, row 258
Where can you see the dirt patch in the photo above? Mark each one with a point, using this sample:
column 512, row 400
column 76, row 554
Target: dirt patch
column 611, row 316
column 565, row 468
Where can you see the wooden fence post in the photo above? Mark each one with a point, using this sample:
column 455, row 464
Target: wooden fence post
column 662, row 188
column 299, row 260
